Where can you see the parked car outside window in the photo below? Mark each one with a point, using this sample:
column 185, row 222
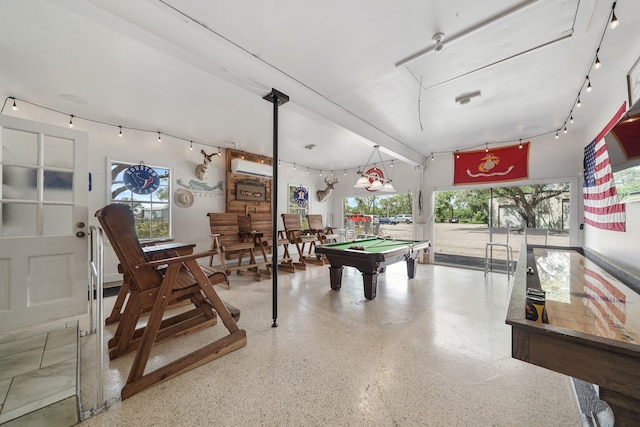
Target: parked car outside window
column 385, row 220
column 454, row 220
column 358, row 218
column 404, row 218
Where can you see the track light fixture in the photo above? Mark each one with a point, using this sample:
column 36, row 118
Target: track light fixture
column 71, row 121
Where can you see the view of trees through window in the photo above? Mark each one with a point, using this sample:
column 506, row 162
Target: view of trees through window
column 537, row 206
column 151, row 211
column 628, row 184
column 386, row 206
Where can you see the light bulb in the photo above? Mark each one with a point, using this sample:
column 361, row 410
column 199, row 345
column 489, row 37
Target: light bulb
column 14, row 107
column 614, row 20
column 120, row 131
column 71, row 121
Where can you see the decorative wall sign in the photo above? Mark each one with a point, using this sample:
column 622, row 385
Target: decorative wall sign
column 141, row 179
column 301, row 195
column 372, row 174
column 251, row 190
column 633, row 83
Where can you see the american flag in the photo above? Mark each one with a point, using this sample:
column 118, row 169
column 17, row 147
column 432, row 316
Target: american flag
column 601, row 206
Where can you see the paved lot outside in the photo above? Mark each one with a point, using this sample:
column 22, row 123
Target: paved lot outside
column 468, row 239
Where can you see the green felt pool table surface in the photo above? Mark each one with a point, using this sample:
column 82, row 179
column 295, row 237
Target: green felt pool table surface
column 375, row 245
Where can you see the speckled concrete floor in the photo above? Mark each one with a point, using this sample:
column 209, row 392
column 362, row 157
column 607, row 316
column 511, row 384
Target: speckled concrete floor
column 431, row 351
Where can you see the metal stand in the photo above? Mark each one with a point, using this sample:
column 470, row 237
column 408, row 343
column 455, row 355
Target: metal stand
column 96, row 326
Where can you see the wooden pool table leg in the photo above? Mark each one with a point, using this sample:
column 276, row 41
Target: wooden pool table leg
column 335, row 274
column 370, row 284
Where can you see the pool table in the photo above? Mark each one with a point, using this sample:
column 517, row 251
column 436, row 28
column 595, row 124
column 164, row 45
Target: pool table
column 370, row 256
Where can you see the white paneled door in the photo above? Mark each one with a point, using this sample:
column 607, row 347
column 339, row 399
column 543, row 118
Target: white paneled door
column 43, row 226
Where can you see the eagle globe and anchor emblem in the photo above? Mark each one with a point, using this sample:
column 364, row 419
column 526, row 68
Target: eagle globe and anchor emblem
column 141, row 179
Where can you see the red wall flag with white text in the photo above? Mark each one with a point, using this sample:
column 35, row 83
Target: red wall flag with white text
column 493, row 165
column 601, row 205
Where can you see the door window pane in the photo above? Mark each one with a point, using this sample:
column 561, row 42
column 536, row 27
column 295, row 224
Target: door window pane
column 19, row 183
column 57, row 220
column 58, row 152
column 19, row 147
column 18, row 220
column 58, row 186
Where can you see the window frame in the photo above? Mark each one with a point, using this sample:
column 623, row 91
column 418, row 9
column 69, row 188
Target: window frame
column 166, row 214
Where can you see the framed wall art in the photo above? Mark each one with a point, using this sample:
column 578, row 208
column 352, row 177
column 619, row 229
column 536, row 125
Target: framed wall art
column 633, row 83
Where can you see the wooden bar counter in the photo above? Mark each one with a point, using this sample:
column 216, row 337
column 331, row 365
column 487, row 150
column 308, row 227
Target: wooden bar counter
column 593, row 329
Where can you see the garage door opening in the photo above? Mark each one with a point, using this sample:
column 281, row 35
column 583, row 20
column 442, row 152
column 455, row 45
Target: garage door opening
column 463, row 218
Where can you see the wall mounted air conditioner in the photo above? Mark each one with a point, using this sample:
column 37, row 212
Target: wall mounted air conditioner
column 246, row 167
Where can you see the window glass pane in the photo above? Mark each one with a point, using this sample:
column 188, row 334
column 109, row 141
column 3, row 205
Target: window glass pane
column 58, row 152
column 19, row 183
column 18, row 220
column 58, row 186
column 19, row 147
column 57, row 220
column 151, row 210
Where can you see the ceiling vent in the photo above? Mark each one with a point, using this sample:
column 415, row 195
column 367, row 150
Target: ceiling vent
column 245, row 167
column 466, row 97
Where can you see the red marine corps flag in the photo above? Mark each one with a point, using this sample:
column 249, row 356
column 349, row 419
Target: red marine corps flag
column 493, row 165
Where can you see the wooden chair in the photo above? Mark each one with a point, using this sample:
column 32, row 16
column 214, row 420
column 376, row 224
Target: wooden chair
column 230, row 244
column 153, row 251
column 155, row 285
column 262, row 225
column 301, row 238
column 325, row 234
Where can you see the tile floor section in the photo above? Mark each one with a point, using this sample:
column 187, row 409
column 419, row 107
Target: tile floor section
column 38, row 376
column 430, row 351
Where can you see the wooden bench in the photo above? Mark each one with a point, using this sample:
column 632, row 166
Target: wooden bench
column 154, row 285
column 229, row 243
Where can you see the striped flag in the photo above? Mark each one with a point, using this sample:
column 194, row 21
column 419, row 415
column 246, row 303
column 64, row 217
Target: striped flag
column 601, row 206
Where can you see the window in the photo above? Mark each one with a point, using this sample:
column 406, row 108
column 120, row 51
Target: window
column 150, row 205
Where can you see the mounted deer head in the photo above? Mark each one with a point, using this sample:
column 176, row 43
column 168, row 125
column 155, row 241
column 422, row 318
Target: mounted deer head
column 324, row 194
column 203, row 168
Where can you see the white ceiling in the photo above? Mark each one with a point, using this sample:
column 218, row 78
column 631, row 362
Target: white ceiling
column 199, row 70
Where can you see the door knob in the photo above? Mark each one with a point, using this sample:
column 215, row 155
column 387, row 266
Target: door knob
column 80, row 234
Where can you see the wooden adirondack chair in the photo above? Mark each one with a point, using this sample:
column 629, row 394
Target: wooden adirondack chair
column 325, row 234
column 261, row 225
column 301, row 238
column 155, row 285
column 230, row 244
